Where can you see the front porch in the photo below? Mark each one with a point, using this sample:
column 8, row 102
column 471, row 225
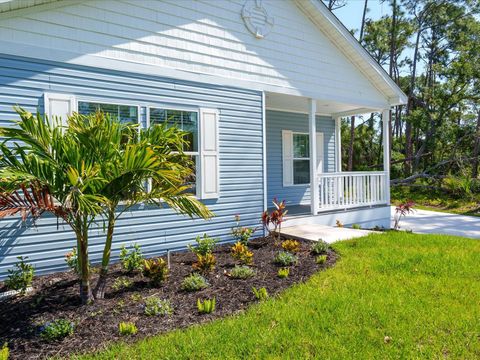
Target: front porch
column 303, row 144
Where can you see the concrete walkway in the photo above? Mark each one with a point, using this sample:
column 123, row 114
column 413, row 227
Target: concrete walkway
column 328, row 234
column 434, row 222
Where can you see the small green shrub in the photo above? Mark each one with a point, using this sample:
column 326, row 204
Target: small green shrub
column 283, row 273
column 291, row 246
column 21, row 276
column 4, row 352
column 319, row 247
column 205, row 263
column 242, row 233
column 356, row 226
column 131, row 259
column 261, row 294
column 204, row 246
column 321, row 259
column 155, row 306
column 121, row 283
column 127, row 328
column 242, row 272
column 57, row 330
column 285, row 258
column 156, row 270
column 194, row 282
column 207, row 306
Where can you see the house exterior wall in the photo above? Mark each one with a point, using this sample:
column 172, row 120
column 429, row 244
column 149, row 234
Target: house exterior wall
column 276, row 121
column 23, row 82
column 191, row 39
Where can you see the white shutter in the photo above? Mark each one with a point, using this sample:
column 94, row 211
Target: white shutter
column 209, row 155
column 319, row 153
column 287, row 157
column 61, row 105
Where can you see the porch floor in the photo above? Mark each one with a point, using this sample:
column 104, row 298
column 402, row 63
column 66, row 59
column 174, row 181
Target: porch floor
column 328, row 234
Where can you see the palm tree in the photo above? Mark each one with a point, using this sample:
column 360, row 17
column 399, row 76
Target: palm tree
column 86, row 170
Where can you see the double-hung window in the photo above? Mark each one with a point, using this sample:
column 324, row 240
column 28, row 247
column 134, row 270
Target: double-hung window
column 301, row 159
column 188, row 122
column 123, row 113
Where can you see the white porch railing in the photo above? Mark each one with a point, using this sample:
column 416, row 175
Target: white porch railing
column 345, row 190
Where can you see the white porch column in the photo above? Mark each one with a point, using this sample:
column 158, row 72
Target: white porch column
column 312, row 130
column 338, row 142
column 386, row 152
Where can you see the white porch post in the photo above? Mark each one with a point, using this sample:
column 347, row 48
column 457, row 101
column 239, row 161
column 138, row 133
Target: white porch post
column 338, row 141
column 312, row 129
column 386, row 152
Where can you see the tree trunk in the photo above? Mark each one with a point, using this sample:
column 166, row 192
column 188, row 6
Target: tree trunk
column 99, row 291
column 82, row 250
column 350, row 146
column 476, row 149
column 362, row 29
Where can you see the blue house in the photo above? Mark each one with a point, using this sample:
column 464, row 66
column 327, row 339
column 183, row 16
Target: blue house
column 260, row 85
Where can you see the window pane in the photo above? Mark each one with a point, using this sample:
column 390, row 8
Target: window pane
column 300, row 146
column 123, row 113
column 185, row 120
column 301, row 171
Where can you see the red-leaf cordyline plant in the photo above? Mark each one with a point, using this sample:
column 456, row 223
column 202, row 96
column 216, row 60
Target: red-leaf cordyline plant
column 275, row 218
column 402, row 210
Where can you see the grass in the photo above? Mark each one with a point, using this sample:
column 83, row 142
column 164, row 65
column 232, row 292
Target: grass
column 391, row 296
column 428, row 199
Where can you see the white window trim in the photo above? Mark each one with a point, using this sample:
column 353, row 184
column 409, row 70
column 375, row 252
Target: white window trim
column 285, row 185
column 189, row 153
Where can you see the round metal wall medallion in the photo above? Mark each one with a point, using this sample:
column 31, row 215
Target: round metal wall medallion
column 256, row 18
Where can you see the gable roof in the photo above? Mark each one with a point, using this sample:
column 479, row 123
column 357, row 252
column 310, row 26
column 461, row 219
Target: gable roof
column 334, row 29
column 322, row 18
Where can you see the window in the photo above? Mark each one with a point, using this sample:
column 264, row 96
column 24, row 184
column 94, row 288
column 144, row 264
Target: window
column 301, row 159
column 123, row 113
column 188, row 122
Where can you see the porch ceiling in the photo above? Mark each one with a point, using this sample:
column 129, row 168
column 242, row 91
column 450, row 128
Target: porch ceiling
column 283, row 102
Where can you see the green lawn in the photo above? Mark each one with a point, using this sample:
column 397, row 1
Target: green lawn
column 421, row 291
column 436, row 200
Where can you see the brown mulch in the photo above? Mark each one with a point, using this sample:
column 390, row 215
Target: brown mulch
column 56, row 296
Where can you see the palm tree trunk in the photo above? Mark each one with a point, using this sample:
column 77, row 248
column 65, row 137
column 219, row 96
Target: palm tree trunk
column 82, row 246
column 99, row 291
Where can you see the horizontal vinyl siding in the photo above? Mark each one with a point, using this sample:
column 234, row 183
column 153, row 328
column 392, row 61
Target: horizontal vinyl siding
column 23, row 82
column 203, row 37
column 276, row 121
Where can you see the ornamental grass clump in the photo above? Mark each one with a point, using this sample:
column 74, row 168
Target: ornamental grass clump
column 194, row 282
column 242, row 272
column 21, row 276
column 156, row 270
column 57, row 330
column 241, row 254
column 291, row 246
column 285, row 258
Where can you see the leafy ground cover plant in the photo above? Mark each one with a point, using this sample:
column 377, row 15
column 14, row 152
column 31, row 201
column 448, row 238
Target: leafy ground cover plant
column 242, row 233
column 241, row 253
column 205, row 263
column 4, row 352
column 275, row 218
column 156, row 270
column 283, row 273
column 127, row 328
column 121, row 283
column 194, row 282
column 319, row 247
column 154, row 306
column 241, row 272
column 131, row 259
column 57, row 329
column 205, row 245
column 261, row 294
column 21, row 276
column 292, row 246
column 284, row 258
column 402, row 210
column 207, row 306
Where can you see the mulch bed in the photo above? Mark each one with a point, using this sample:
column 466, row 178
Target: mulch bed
column 56, row 296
